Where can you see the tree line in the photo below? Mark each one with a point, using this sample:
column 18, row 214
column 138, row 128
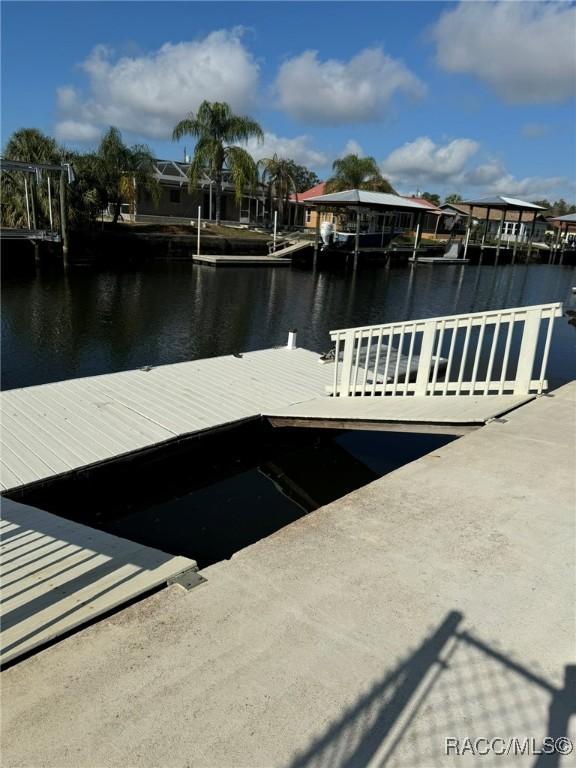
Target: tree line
column 110, row 175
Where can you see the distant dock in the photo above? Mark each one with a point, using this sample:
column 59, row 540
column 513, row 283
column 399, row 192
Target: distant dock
column 222, row 260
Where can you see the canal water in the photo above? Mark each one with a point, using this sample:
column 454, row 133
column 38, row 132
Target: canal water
column 85, row 323
column 209, row 499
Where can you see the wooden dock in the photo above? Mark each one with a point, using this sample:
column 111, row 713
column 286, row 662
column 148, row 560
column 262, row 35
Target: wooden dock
column 58, row 575
column 291, row 249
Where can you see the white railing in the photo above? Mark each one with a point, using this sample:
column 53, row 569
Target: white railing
column 496, row 352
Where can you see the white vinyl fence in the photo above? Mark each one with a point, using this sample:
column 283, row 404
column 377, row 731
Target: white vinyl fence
column 502, row 351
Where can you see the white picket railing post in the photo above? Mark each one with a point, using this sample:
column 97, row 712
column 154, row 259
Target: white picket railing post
column 346, row 375
column 426, row 351
column 527, row 351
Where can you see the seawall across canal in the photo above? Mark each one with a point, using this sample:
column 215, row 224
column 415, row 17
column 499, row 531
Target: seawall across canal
column 436, row 602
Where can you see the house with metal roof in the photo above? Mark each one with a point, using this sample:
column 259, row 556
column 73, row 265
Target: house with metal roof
column 177, row 202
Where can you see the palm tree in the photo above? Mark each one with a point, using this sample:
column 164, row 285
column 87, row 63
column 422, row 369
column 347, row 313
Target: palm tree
column 277, row 173
column 31, row 146
column 353, row 172
column 87, row 197
column 216, row 128
column 120, row 169
column 27, row 145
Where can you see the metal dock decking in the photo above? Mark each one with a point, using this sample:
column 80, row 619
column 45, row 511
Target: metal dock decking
column 451, row 416
column 53, row 429
column 58, row 574
column 436, row 600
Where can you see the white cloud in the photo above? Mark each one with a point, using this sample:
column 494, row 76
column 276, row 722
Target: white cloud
column 524, row 50
column 74, row 130
column 422, row 161
column 149, row 94
column 339, row 92
column 352, row 147
column 530, row 187
column 448, row 168
column 495, row 179
column 297, row 149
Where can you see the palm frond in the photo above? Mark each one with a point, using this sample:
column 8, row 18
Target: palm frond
column 243, row 169
column 186, row 127
column 354, row 172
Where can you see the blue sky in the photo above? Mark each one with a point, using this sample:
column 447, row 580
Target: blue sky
column 474, row 97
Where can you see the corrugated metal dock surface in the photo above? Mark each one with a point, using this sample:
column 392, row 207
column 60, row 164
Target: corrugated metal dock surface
column 56, row 428
column 57, row 575
column 460, row 411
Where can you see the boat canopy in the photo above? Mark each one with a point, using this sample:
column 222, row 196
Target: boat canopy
column 570, row 218
column 499, row 201
column 364, row 199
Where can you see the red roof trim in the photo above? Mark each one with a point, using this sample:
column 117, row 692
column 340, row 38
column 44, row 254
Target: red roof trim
column 319, row 189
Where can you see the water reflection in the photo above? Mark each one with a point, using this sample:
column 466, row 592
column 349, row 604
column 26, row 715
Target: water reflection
column 56, row 327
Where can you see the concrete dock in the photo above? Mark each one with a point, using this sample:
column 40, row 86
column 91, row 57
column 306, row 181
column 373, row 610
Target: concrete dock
column 435, row 603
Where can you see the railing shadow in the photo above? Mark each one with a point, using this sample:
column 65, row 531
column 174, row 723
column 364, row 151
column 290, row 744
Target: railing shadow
column 453, row 686
column 53, row 584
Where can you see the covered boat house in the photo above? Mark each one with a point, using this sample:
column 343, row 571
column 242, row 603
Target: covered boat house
column 505, row 220
column 369, row 213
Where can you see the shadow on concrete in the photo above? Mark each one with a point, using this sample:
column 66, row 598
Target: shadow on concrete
column 453, row 685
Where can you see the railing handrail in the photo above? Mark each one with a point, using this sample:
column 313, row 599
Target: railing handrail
column 375, row 356
column 518, row 312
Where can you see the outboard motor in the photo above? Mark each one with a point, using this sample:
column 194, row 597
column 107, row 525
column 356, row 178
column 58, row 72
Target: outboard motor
column 327, row 233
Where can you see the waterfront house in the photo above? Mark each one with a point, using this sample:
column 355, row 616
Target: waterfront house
column 179, row 204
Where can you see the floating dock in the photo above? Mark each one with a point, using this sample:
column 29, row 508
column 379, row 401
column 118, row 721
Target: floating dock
column 58, row 575
column 435, row 602
column 437, row 260
column 55, row 429
column 59, row 429
column 221, row 260
column 450, row 416
column 278, row 258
